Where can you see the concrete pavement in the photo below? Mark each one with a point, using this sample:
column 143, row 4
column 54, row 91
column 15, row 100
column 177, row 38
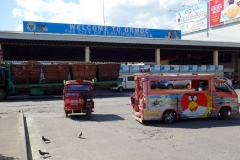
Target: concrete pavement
column 12, row 137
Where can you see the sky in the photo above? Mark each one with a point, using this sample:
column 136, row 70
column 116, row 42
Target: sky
column 122, row 13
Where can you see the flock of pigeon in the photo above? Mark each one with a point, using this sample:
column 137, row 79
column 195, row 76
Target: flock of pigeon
column 47, row 141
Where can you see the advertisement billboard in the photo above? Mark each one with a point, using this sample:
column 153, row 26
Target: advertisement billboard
column 193, row 68
column 184, row 68
column 145, row 68
column 174, row 68
column 192, row 19
column 224, row 12
column 165, row 68
column 211, row 68
column 1, row 58
column 96, row 30
column 134, row 68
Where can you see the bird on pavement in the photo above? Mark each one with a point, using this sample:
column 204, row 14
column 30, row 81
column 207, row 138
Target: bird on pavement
column 45, row 139
column 42, row 153
column 80, row 135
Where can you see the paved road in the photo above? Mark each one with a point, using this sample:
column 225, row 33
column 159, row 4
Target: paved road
column 112, row 133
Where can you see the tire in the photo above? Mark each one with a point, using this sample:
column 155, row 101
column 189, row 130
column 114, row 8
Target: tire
column 3, row 94
column 168, row 117
column 89, row 112
column 66, row 113
column 120, row 89
column 170, row 86
column 224, row 113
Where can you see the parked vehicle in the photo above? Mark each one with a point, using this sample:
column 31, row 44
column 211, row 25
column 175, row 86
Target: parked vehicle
column 127, row 83
column 205, row 97
column 225, row 79
column 78, row 97
column 174, row 84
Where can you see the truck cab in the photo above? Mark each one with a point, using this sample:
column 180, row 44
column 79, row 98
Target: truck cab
column 127, row 83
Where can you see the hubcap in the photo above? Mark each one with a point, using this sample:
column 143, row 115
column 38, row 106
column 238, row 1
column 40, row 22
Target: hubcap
column 169, row 117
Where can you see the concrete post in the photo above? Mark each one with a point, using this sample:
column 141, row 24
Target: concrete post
column 215, row 57
column 87, row 54
column 157, row 56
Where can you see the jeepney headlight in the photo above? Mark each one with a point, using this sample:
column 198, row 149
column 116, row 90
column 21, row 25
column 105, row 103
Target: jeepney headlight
column 89, row 99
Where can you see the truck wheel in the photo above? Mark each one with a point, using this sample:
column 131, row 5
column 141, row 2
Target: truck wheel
column 170, row 86
column 120, row 89
column 89, row 112
column 224, row 113
column 2, row 95
column 168, row 117
column 66, row 112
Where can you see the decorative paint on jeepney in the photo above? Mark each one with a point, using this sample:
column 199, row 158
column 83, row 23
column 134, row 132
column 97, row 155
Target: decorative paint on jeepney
column 156, row 104
column 220, row 101
column 196, row 105
column 163, row 101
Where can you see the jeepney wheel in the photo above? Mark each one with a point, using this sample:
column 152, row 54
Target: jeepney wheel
column 89, row 112
column 224, row 113
column 120, row 89
column 170, row 86
column 168, row 117
column 66, row 112
column 2, row 95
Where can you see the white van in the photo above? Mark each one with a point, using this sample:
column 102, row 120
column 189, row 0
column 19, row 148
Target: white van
column 127, row 83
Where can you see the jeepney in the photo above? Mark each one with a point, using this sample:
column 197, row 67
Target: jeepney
column 203, row 97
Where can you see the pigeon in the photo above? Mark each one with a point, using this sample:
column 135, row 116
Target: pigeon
column 42, row 153
column 80, row 135
column 45, row 139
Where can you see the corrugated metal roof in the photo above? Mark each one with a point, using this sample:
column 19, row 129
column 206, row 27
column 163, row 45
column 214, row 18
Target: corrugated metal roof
column 103, row 39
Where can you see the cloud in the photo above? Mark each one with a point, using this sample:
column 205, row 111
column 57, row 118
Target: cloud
column 129, row 13
column 16, row 12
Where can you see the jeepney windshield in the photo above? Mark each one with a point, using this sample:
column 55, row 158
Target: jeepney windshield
column 222, row 87
column 79, row 87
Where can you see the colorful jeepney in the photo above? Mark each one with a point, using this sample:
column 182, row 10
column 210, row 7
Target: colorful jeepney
column 203, row 97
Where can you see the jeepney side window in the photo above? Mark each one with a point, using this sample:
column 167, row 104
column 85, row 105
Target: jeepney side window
column 154, row 84
column 222, row 87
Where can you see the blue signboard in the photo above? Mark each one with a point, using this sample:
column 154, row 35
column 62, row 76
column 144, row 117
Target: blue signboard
column 124, row 68
column 134, row 68
column 219, row 68
column 96, row 30
column 184, row 68
column 155, row 68
column 202, row 68
column 174, row 68
column 193, row 68
column 165, row 68
column 211, row 68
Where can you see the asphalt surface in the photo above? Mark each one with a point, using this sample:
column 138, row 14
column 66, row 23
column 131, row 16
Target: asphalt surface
column 112, row 132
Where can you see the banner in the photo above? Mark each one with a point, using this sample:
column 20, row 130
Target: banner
column 192, row 19
column 165, row 68
column 224, row 12
column 145, row 68
column 193, row 68
column 124, row 68
column 155, row 68
column 184, row 68
column 202, row 68
column 210, row 68
column 1, row 58
column 219, row 68
column 134, row 68
column 174, row 68
column 95, row 30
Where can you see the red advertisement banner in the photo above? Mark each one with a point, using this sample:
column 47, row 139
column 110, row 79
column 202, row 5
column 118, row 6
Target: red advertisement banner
column 1, row 58
column 216, row 7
